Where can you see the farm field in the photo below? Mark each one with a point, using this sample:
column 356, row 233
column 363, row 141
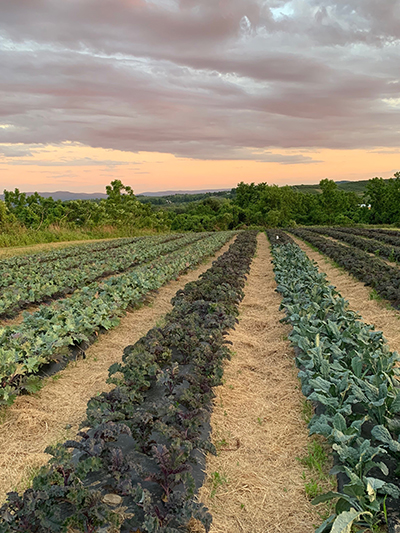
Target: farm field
column 372, row 241
column 34, row 422
column 47, row 334
column 373, row 271
column 257, row 421
column 204, row 309
column 348, row 368
column 57, row 274
column 139, row 458
column 373, row 310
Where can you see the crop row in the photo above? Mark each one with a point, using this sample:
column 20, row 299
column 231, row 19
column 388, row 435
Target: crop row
column 383, row 236
column 69, row 251
column 37, row 283
column 48, row 333
column 12, row 275
column 366, row 244
column 277, row 236
column 384, row 278
column 346, row 367
column 144, row 450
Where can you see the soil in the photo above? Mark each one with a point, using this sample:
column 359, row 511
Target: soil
column 54, row 414
column 255, row 483
column 376, row 312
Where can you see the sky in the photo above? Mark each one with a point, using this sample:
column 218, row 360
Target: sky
column 188, row 94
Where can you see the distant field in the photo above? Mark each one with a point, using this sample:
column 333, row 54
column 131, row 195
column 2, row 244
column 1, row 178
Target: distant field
column 349, row 186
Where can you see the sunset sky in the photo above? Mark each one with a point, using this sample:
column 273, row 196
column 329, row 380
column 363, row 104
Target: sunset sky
column 187, row 94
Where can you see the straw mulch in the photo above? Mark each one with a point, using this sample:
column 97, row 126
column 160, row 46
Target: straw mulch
column 34, row 422
column 378, row 313
column 255, row 483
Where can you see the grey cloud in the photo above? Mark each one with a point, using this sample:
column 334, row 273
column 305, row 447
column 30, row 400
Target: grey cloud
column 283, row 159
column 15, row 151
column 206, row 80
column 84, row 162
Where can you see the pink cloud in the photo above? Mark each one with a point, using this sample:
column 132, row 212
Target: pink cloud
column 206, row 80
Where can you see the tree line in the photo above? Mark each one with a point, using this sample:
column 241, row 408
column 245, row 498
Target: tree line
column 121, row 209
column 246, row 205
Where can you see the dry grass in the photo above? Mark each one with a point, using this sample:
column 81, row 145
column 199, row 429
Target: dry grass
column 53, row 414
column 44, row 247
column 255, row 484
column 379, row 313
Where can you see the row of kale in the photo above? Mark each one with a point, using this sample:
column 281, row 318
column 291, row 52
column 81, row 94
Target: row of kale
column 48, row 334
column 369, row 244
column 383, row 236
column 146, row 439
column 33, row 268
column 347, row 367
column 57, row 279
column 384, row 278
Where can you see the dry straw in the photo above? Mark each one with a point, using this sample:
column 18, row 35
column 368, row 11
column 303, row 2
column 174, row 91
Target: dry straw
column 384, row 318
column 54, row 414
column 255, row 483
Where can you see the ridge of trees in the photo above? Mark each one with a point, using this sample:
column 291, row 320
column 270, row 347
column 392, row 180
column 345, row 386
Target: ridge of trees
column 245, row 206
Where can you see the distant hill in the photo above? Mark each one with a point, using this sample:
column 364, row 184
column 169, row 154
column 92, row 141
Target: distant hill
column 173, row 193
column 349, row 186
column 168, row 197
column 310, row 189
column 355, row 186
column 66, row 195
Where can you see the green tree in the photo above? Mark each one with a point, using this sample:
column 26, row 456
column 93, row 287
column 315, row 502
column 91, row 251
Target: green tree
column 6, row 218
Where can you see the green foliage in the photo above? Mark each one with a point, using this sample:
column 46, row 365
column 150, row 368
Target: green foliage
column 121, row 209
column 384, row 198
column 147, row 436
column 217, row 481
column 6, row 218
column 47, row 334
column 316, row 458
column 248, row 205
column 347, row 368
column 384, row 278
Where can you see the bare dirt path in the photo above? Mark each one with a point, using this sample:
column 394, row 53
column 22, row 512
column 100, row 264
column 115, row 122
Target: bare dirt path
column 255, row 483
column 379, row 313
column 54, row 414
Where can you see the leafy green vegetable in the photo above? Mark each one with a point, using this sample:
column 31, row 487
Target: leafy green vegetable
column 346, row 367
column 48, row 333
column 147, row 437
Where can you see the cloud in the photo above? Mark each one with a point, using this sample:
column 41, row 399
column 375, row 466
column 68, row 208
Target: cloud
column 296, row 159
column 14, row 151
column 83, row 162
column 201, row 80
